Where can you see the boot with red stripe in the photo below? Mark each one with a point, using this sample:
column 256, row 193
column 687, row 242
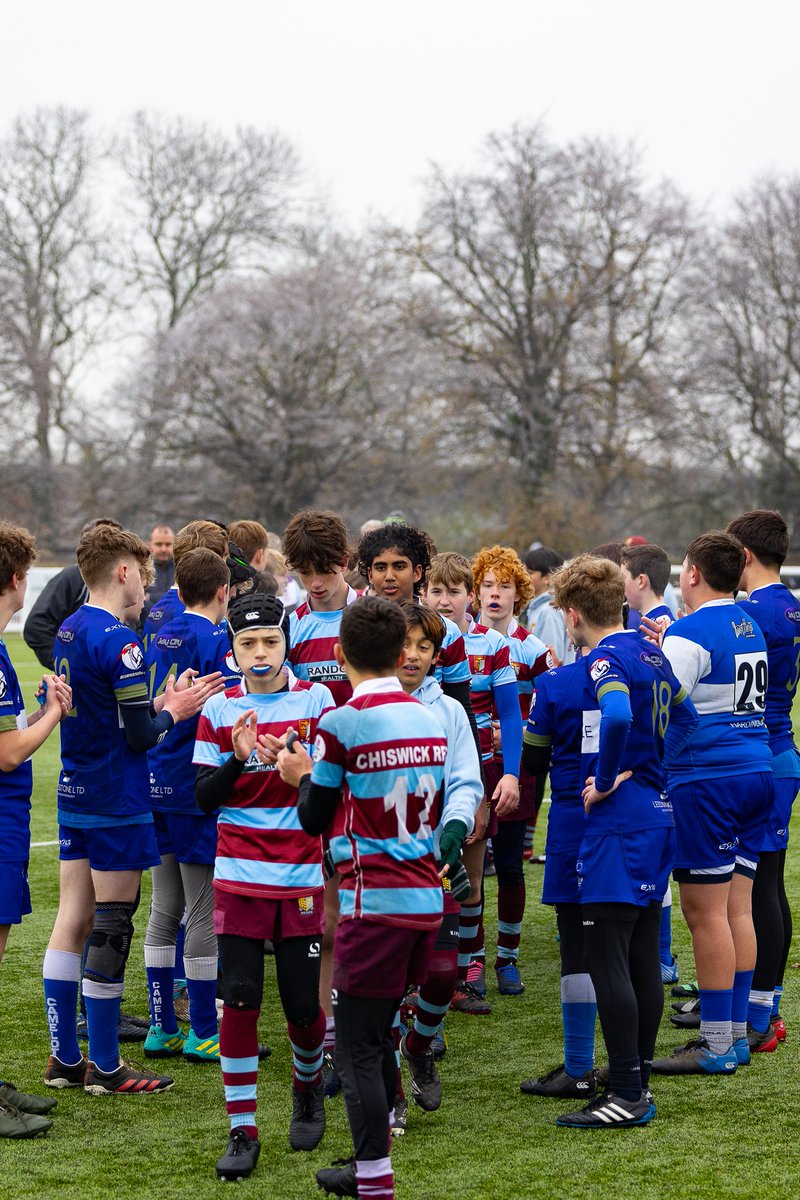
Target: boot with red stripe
column 125, row 1081
column 778, row 1028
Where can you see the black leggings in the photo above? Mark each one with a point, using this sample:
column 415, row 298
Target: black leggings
column 366, row 1064
column 297, row 963
column 508, row 845
column 569, row 919
column 622, row 953
column 772, row 920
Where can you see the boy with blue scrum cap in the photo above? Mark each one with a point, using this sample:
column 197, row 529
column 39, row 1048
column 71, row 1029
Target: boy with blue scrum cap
column 377, row 784
column 639, row 714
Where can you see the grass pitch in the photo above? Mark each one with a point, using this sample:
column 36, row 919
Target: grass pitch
column 713, row 1138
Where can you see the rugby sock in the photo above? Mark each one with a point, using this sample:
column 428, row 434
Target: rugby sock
column 530, row 829
column 329, row 1043
column 61, row 976
column 201, row 983
column 759, row 1010
column 375, row 1179
column 715, row 1019
column 665, row 931
column 741, row 997
column 433, row 1000
column 625, row 1077
column 776, row 1001
column 307, row 1052
column 510, row 911
column 179, row 982
column 426, row 1022
column 159, row 964
column 578, row 1015
column 102, row 1017
column 470, row 937
column 238, row 1045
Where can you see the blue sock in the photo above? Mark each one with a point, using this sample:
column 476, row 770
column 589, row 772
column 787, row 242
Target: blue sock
column 742, row 981
column 578, row 1014
column 159, row 964
column 759, row 1010
column 203, row 1006
column 61, row 975
column 776, row 1001
column 715, row 1018
column 102, row 1017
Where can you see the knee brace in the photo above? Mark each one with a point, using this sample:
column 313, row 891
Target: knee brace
column 109, row 945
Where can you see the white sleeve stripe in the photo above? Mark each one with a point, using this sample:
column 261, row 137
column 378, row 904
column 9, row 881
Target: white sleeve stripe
column 689, row 660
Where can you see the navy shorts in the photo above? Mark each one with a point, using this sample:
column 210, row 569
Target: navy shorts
column 777, row 835
column 110, row 847
column 560, row 884
column 720, row 825
column 15, row 895
column 626, row 868
column 192, row 839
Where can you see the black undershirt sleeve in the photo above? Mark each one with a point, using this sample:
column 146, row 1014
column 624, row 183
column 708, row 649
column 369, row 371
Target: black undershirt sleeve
column 213, row 785
column 316, row 805
column 144, row 730
column 535, row 759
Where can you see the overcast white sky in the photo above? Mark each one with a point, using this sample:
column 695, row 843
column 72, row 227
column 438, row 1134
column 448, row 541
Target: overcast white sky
column 371, row 92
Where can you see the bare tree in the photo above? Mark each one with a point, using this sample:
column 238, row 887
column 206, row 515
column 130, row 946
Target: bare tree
column 750, row 341
column 52, row 286
column 206, row 204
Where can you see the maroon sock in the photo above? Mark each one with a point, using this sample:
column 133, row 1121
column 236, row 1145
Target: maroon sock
column 238, row 1047
column 510, row 911
column 307, row 1050
column 434, row 1000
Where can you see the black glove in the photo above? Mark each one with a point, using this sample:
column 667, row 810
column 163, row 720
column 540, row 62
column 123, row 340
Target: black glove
column 459, row 884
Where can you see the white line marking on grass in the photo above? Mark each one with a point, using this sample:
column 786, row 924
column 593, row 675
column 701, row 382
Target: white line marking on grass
column 35, row 845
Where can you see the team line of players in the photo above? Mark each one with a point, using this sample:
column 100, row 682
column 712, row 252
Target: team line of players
column 631, row 733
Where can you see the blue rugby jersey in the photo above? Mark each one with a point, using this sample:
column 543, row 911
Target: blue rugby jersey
column 555, row 719
column 662, row 614
column 188, row 640
column 719, row 654
column 312, row 638
column 777, row 614
column 387, row 753
column 169, row 606
column 15, row 786
column 624, row 664
column 262, row 849
column 103, row 781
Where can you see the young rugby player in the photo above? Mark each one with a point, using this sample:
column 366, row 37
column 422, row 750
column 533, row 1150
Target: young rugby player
column 316, row 546
column 197, row 533
column 463, row 797
column 646, row 570
column 105, row 819
column 722, row 792
column 503, row 587
column 187, row 840
column 640, row 713
column 267, row 874
column 394, row 559
column 552, row 740
column 775, row 610
column 21, row 1115
column 449, row 591
column 378, row 775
